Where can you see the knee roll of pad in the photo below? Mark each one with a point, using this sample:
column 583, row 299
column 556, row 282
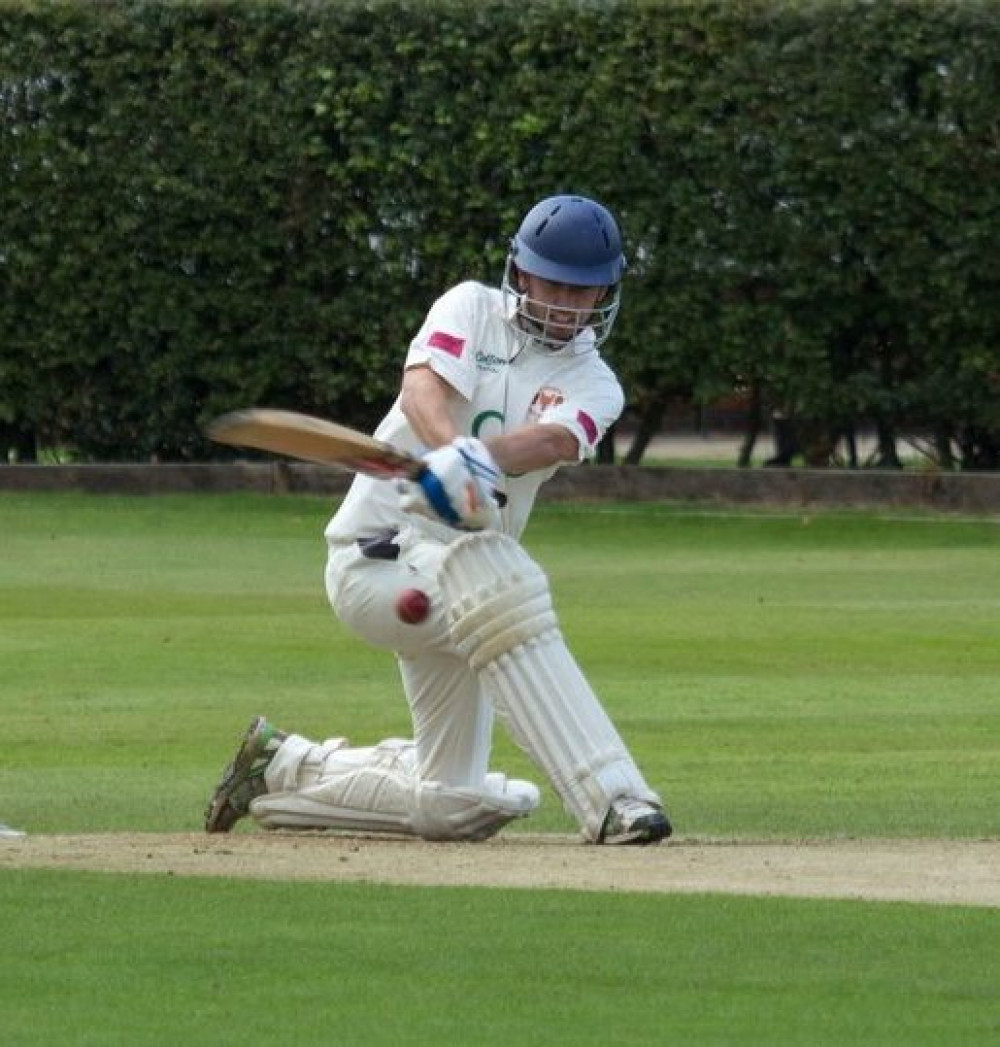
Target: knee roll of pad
column 498, row 597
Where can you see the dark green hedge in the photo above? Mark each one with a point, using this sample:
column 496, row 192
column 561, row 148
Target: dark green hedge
column 210, row 205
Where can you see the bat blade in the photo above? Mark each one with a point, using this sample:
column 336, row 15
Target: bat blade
column 311, row 439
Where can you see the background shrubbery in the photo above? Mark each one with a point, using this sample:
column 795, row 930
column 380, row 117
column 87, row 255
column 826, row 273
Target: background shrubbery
column 213, row 204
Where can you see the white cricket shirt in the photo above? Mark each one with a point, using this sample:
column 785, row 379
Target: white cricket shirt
column 505, row 379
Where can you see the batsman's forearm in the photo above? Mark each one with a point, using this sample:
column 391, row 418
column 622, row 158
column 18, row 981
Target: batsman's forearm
column 533, row 447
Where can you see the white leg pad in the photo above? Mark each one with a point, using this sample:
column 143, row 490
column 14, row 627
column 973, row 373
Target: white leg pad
column 330, row 786
column 502, row 620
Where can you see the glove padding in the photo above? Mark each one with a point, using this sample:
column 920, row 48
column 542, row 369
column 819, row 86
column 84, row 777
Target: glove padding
column 457, row 485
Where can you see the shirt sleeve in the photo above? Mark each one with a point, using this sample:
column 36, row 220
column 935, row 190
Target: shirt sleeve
column 445, row 340
column 589, row 410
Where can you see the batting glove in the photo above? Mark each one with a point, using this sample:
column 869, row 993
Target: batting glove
column 458, row 485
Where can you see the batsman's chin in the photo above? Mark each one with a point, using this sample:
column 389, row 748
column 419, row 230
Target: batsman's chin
column 557, row 336
column 549, row 336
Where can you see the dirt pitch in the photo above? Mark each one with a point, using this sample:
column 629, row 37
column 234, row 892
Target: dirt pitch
column 958, row 872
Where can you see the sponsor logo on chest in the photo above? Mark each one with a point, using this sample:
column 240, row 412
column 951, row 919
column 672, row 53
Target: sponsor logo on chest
column 489, row 362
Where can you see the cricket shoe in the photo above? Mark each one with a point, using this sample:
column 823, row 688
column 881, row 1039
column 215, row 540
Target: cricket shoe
column 243, row 780
column 635, row 822
column 7, row 833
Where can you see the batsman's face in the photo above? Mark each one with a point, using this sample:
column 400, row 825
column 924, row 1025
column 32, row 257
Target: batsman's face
column 559, row 311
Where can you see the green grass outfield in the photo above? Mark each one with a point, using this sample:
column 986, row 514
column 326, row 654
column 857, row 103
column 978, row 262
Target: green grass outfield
column 776, row 675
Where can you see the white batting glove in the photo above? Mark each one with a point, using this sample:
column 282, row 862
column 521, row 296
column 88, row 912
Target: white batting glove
column 458, row 485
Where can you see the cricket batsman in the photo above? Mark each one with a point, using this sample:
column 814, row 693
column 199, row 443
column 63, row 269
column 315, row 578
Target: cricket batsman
column 500, row 387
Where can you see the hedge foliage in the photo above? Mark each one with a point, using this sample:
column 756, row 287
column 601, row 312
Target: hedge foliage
column 214, row 204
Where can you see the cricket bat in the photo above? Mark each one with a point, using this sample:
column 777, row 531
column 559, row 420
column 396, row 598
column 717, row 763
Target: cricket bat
column 312, row 439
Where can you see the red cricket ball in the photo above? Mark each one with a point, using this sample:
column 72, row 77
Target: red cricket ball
column 413, row 606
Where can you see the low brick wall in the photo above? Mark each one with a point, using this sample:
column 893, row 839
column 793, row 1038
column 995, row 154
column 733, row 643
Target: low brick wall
column 974, row 493
column 952, row 492
column 262, row 477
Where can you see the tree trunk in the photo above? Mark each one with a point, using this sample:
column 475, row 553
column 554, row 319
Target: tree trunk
column 786, row 441
column 943, row 448
column 753, row 426
column 888, row 457
column 606, row 448
column 650, row 419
